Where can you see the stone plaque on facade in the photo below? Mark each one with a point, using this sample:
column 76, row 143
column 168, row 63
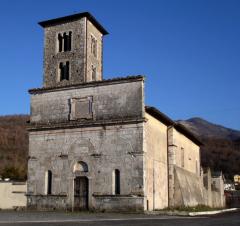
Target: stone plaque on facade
column 81, row 108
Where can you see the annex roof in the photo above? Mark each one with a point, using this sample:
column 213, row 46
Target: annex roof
column 159, row 115
column 182, row 129
column 169, row 122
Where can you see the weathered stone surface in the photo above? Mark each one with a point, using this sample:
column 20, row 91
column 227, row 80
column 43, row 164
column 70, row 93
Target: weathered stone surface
column 182, row 153
column 188, row 188
column 87, row 138
column 80, row 56
column 187, row 184
column 50, row 202
column 99, row 124
column 213, row 190
column 113, row 101
column 156, row 165
column 111, row 203
column 102, row 149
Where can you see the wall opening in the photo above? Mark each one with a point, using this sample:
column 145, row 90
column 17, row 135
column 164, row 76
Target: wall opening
column 93, row 46
column 182, row 157
column 60, row 41
column 196, row 167
column 48, row 182
column 116, row 182
column 81, row 185
column 64, row 71
column 69, row 42
column 65, row 41
column 94, row 73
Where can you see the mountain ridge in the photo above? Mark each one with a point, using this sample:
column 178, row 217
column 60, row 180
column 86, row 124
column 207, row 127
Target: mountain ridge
column 221, row 145
column 202, row 127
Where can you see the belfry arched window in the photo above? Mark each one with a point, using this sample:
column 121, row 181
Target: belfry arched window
column 64, row 42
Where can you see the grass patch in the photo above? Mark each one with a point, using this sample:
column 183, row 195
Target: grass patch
column 198, row 208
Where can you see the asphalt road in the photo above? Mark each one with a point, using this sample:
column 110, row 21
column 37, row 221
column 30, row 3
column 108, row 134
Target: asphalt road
column 89, row 219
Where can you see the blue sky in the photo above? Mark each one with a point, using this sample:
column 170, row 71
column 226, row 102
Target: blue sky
column 189, row 51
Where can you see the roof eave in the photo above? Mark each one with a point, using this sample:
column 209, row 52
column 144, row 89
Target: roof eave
column 159, row 115
column 170, row 123
column 182, row 129
column 131, row 78
column 74, row 17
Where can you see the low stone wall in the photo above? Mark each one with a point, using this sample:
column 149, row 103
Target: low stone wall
column 12, row 194
column 213, row 190
column 188, row 188
column 48, row 202
column 216, row 199
column 108, row 203
column 193, row 190
column 119, row 203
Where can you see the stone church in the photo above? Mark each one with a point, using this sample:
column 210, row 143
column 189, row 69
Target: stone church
column 93, row 144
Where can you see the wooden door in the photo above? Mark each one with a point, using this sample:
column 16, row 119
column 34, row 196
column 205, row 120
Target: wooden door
column 81, row 193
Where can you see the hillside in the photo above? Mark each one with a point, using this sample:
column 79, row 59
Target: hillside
column 221, row 150
column 13, row 146
column 204, row 128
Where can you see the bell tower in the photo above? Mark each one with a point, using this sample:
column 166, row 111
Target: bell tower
column 73, row 47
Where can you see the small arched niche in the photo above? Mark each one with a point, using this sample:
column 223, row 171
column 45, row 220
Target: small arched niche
column 80, row 167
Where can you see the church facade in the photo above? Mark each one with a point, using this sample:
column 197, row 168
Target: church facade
column 93, row 144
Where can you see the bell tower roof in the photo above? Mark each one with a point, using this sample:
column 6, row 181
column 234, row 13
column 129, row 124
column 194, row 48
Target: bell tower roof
column 74, row 17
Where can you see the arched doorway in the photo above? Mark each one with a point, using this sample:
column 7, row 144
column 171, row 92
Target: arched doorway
column 80, row 186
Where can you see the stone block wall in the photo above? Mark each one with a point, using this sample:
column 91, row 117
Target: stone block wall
column 110, row 101
column 76, row 56
column 103, row 149
column 80, row 57
column 96, row 61
column 48, row 202
column 119, row 203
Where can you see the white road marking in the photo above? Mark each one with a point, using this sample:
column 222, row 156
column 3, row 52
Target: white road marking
column 95, row 220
